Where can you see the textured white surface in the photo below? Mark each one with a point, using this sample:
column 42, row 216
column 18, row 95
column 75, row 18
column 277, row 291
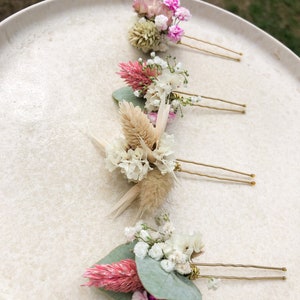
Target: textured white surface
column 58, row 63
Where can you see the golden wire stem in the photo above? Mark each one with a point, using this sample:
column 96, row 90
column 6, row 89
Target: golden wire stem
column 210, row 98
column 239, row 266
column 225, row 101
column 209, row 52
column 212, row 44
column 215, row 167
column 244, row 278
column 179, row 169
column 218, row 108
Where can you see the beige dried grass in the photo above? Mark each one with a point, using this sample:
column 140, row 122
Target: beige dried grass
column 136, row 126
column 154, row 190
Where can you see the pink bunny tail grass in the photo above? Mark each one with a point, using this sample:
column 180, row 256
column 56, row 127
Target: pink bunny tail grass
column 137, row 75
column 118, row 277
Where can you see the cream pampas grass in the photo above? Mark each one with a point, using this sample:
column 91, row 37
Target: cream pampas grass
column 136, row 126
column 151, row 193
column 154, row 190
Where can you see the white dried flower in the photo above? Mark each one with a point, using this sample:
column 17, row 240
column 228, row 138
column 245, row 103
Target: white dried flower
column 213, row 283
column 178, row 257
column 130, row 233
column 144, row 235
column 184, row 268
column 178, row 68
column 167, row 265
column 164, row 154
column 150, row 62
column 197, row 243
column 161, row 22
column 160, row 62
column 137, row 93
column 135, row 166
column 115, row 153
column 167, row 229
column 156, row 251
column 195, row 99
column 141, row 249
column 175, row 103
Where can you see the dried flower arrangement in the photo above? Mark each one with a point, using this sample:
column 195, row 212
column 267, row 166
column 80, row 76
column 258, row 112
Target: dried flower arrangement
column 158, row 25
column 155, row 80
column 145, row 155
column 158, row 263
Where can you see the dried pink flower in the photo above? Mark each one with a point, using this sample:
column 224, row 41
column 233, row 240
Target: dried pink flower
column 152, row 116
column 175, row 33
column 152, row 8
column 137, row 75
column 183, row 14
column 118, row 277
column 172, row 4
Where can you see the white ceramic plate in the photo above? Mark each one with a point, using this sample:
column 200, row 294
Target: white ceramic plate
column 58, row 63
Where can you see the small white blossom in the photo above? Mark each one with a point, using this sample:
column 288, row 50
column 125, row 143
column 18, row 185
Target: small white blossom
column 130, row 233
column 161, row 22
column 164, row 155
column 175, row 103
column 156, row 103
column 167, row 265
column 152, row 54
column 167, row 229
column 141, row 249
column 135, row 166
column 197, row 242
column 178, row 257
column 137, row 93
column 178, row 68
column 139, row 226
column 142, row 20
column 160, row 62
column 144, row 235
column 140, row 60
column 150, row 62
column 184, row 268
column 156, row 251
column 195, row 99
column 213, row 283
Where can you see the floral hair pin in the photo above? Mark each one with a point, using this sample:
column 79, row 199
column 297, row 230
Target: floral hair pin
column 154, row 80
column 158, row 263
column 158, row 25
column 145, row 155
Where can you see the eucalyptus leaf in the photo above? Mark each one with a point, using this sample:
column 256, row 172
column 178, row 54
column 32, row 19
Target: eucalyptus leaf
column 126, row 93
column 164, row 285
column 124, row 251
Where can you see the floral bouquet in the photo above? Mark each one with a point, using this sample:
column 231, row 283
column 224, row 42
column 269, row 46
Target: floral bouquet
column 157, row 263
column 145, row 156
column 159, row 23
column 156, row 80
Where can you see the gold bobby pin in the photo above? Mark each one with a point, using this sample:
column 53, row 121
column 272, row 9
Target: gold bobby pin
column 179, row 168
column 210, row 52
column 197, row 273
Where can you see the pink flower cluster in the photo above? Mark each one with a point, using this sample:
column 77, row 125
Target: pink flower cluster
column 137, row 75
column 172, row 14
column 120, row 277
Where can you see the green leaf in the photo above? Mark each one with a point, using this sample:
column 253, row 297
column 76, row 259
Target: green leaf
column 126, row 93
column 164, row 285
column 124, row 251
